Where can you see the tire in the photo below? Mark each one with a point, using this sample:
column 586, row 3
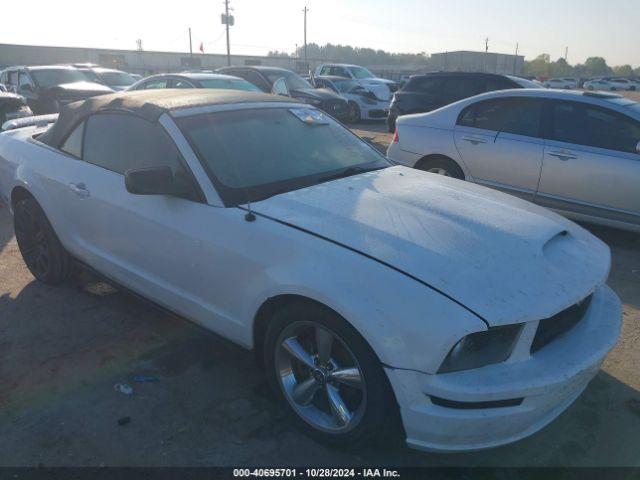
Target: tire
column 368, row 405
column 441, row 166
column 41, row 250
column 354, row 113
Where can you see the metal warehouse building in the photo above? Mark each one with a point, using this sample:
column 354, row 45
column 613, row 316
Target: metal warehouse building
column 142, row 62
column 466, row 61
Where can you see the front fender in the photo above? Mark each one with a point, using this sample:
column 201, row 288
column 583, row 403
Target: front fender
column 407, row 324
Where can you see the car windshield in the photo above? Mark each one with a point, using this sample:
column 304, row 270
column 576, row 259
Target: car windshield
column 345, row 86
column 293, row 80
column 361, row 72
column 91, row 75
column 116, row 79
column 254, row 154
column 47, row 78
column 229, row 84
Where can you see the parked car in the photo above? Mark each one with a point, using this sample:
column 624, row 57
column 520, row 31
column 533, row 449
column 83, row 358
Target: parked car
column 12, row 106
column 194, row 80
column 285, row 82
column 116, row 80
column 575, row 152
column 47, row 88
column 482, row 316
column 622, row 83
column 602, row 85
column 566, row 83
column 382, row 87
column 363, row 103
column 424, row 93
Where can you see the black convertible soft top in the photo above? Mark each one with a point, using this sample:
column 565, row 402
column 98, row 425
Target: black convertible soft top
column 148, row 104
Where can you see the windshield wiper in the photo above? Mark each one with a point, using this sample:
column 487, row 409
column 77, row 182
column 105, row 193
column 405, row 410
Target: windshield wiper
column 348, row 172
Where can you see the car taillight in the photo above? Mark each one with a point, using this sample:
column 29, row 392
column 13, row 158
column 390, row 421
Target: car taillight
column 396, row 137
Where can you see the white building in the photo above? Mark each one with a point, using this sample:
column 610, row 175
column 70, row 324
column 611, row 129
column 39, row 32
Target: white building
column 466, row 61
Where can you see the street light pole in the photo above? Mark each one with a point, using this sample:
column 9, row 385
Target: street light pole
column 306, row 61
column 226, row 12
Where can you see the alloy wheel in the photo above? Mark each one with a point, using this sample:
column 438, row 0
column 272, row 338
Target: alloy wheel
column 439, row 171
column 320, row 377
column 32, row 242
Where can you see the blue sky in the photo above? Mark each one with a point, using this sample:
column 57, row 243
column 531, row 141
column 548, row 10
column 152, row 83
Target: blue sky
column 589, row 28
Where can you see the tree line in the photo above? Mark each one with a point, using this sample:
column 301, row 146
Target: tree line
column 541, row 66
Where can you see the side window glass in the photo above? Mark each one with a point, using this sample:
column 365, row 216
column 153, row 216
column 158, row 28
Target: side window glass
column 611, row 130
column 120, row 142
column 324, row 71
column 498, row 84
column 256, row 79
column 152, row 84
column 467, row 117
column 520, row 116
column 568, row 123
column 182, row 84
column 24, row 79
column 73, row 143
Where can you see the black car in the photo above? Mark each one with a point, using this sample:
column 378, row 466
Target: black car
column 268, row 79
column 423, row 93
column 12, row 106
column 46, row 88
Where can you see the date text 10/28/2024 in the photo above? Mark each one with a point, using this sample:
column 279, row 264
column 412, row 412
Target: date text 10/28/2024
column 316, row 473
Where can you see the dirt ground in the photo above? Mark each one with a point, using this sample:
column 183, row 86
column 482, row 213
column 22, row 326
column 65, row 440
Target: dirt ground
column 63, row 349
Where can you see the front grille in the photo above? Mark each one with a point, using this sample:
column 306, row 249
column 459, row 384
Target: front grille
column 551, row 328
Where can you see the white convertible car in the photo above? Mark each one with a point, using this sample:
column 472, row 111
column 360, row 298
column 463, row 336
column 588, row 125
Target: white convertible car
column 372, row 293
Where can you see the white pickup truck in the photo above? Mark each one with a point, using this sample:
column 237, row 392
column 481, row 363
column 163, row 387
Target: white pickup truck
column 374, row 294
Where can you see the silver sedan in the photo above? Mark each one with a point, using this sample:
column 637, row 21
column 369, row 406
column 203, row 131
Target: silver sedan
column 575, row 152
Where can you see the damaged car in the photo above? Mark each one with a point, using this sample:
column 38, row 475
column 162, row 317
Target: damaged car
column 47, row 88
column 377, row 297
column 12, row 106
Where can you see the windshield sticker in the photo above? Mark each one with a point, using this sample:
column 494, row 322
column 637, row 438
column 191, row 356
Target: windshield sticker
column 310, row 116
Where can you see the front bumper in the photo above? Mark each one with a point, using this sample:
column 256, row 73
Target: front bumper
column 546, row 382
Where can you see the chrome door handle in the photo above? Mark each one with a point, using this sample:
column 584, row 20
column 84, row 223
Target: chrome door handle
column 474, row 140
column 564, row 156
column 79, row 189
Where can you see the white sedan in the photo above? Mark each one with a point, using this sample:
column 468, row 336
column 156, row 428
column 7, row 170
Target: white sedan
column 372, row 293
column 603, row 85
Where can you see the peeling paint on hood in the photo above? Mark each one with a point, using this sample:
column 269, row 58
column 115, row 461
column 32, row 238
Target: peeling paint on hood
column 507, row 260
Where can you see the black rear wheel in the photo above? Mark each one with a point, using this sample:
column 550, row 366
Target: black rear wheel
column 39, row 245
column 354, row 113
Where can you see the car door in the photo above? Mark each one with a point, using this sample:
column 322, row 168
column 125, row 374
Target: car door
column 500, row 144
column 162, row 247
column 591, row 162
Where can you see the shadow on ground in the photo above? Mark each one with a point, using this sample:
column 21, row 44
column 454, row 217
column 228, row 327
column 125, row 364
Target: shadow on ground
column 63, row 349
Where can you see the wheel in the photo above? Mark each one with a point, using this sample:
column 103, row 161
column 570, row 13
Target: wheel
column 41, row 250
column 327, row 375
column 354, row 113
column 441, row 166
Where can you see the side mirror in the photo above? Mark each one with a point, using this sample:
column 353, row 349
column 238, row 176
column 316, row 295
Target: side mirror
column 280, row 87
column 150, row 181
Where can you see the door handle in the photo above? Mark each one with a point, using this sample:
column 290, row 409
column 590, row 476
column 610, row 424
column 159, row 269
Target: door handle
column 79, row 189
column 474, row 140
column 562, row 155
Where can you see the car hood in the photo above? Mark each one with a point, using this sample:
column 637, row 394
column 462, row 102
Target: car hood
column 379, row 86
column 505, row 259
column 79, row 89
column 318, row 93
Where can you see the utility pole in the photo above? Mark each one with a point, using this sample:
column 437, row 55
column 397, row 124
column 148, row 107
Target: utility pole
column 226, row 12
column 515, row 59
column 305, row 36
column 566, row 53
column 486, row 52
column 190, row 44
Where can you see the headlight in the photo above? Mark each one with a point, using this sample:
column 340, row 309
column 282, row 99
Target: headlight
column 481, row 349
column 312, row 101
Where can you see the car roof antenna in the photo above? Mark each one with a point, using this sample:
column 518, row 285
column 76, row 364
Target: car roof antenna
column 249, row 216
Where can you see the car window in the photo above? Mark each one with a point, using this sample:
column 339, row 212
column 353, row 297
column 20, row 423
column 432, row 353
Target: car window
column 116, row 79
column 325, row 70
column 24, row 79
column 154, row 83
column 520, row 116
column 48, row 78
column 498, row 83
column 73, row 143
column 13, row 78
column 229, row 84
column 280, row 151
column 253, row 77
column 593, row 126
column 177, row 83
column 457, row 88
column 424, row 84
column 119, row 142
